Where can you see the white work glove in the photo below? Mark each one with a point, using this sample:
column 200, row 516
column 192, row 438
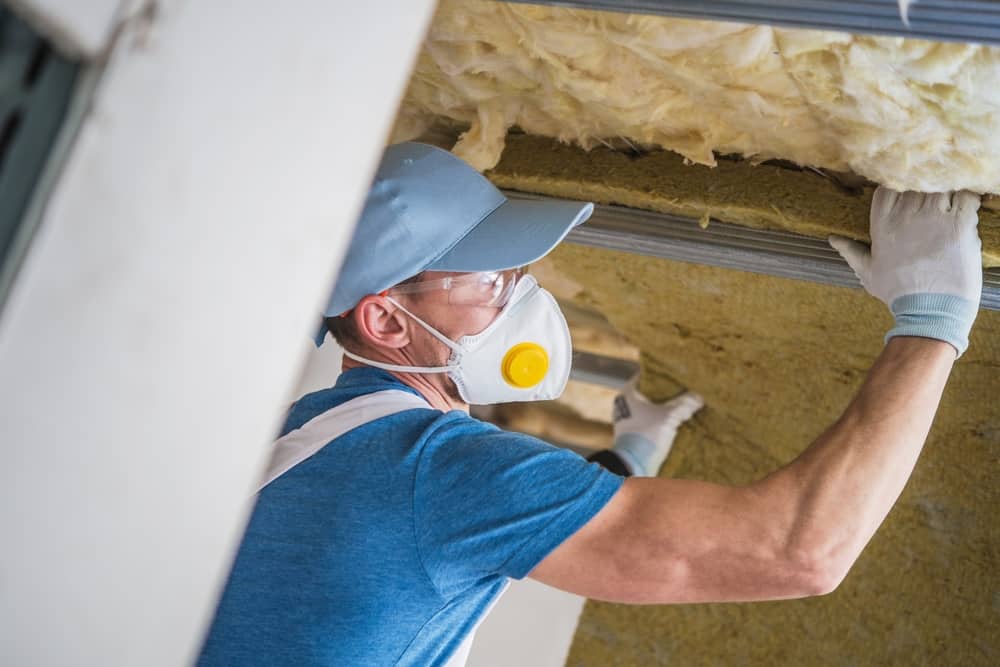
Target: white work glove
column 924, row 263
column 645, row 431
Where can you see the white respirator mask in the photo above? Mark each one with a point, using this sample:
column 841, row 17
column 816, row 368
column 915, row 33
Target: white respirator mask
column 525, row 354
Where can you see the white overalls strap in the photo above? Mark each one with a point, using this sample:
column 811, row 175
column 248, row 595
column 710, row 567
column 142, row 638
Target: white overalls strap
column 296, row 446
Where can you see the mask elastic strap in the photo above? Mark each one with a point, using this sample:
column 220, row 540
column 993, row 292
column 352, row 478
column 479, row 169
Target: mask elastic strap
column 410, row 369
column 401, row 369
column 434, row 332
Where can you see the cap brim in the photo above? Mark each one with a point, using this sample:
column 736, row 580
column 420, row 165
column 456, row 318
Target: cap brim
column 518, row 232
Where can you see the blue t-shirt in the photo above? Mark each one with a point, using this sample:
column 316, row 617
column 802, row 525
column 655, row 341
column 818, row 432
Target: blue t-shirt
column 389, row 544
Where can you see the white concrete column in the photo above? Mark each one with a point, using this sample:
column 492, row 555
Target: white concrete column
column 79, row 28
column 153, row 337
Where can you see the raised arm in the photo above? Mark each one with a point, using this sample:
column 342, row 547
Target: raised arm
column 798, row 531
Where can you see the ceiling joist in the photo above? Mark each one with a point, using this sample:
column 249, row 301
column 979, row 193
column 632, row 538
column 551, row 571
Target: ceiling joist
column 768, row 252
column 939, row 20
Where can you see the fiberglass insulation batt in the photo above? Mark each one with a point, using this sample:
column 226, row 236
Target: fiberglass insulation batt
column 910, row 114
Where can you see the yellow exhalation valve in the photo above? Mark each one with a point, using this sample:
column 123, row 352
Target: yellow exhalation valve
column 525, row 365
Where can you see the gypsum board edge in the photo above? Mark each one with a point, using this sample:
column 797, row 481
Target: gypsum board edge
column 725, row 245
column 975, row 21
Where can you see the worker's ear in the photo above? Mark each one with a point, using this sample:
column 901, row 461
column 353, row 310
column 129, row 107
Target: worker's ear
column 380, row 323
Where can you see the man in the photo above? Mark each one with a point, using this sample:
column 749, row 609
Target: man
column 390, row 520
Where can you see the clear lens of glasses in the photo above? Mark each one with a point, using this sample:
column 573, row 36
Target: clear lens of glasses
column 485, row 288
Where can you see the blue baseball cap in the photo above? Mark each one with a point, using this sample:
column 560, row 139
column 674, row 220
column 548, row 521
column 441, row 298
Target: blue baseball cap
column 428, row 210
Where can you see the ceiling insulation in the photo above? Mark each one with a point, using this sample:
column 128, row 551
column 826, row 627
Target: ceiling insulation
column 767, row 197
column 775, row 359
column 911, row 114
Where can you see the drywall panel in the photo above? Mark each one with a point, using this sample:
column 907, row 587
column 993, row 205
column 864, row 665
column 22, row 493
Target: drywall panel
column 150, row 343
column 79, row 28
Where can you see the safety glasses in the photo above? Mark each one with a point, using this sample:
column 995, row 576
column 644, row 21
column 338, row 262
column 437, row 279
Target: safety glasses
column 485, row 288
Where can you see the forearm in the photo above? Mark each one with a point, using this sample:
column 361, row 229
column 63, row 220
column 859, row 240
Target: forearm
column 834, row 496
column 798, row 531
column 793, row 534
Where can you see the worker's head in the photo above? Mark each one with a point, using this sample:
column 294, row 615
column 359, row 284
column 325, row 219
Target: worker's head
column 435, row 260
column 456, row 303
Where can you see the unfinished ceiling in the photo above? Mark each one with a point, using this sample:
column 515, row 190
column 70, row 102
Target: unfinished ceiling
column 777, row 360
column 910, row 114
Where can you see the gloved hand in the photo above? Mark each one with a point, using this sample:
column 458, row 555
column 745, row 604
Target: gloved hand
column 924, row 262
column 645, row 431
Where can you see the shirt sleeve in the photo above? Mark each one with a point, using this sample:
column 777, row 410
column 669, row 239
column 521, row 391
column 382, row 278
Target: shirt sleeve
column 490, row 502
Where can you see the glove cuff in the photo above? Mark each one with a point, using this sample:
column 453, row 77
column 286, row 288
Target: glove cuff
column 941, row 316
column 637, row 450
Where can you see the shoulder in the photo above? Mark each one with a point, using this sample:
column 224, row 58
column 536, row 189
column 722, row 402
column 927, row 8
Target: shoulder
column 498, row 501
column 455, row 446
column 461, row 434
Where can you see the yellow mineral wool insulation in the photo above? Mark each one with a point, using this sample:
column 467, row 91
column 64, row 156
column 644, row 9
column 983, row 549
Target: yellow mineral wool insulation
column 777, row 361
column 910, row 114
column 763, row 196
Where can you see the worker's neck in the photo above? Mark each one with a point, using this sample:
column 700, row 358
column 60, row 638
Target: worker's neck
column 429, row 385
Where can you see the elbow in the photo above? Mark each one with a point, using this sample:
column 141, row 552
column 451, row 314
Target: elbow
column 822, row 581
column 820, row 574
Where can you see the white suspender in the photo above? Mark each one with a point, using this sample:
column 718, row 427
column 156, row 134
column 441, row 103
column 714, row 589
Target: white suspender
column 298, row 445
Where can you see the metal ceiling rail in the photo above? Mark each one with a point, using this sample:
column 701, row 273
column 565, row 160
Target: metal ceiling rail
column 598, row 369
column 773, row 253
column 940, row 20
